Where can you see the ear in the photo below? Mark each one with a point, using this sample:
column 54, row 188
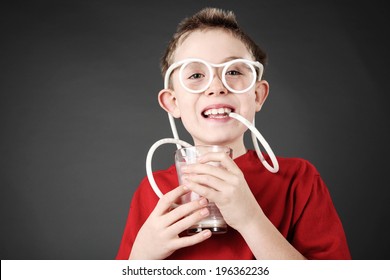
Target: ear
column 261, row 92
column 168, row 101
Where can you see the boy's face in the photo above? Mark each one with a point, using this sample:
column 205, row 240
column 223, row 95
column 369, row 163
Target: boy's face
column 208, row 126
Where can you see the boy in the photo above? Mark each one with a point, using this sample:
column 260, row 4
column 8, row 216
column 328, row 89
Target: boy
column 287, row 215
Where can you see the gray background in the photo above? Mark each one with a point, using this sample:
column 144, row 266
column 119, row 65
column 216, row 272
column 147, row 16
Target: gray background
column 79, row 112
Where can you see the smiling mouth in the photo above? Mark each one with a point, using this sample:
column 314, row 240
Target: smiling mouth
column 217, row 113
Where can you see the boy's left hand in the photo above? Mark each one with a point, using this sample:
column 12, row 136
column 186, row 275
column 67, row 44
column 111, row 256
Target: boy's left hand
column 226, row 186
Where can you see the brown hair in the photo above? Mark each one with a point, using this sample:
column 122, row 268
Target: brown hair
column 210, row 18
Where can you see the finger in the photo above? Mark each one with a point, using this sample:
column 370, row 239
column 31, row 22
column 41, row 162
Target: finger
column 204, row 191
column 192, row 240
column 207, row 169
column 191, row 219
column 184, row 210
column 225, row 160
column 210, row 181
column 167, row 200
column 214, row 161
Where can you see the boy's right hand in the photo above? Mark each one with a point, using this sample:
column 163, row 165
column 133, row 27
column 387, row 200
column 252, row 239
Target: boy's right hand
column 159, row 236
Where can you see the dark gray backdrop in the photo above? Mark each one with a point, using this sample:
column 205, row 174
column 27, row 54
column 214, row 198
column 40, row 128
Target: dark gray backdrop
column 79, row 112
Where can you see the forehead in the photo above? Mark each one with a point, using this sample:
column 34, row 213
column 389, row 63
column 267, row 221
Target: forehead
column 212, row 45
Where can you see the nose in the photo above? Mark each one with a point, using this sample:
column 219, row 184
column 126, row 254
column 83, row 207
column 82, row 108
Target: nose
column 216, row 87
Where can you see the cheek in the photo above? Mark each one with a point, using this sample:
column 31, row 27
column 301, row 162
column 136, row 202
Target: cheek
column 186, row 105
column 248, row 107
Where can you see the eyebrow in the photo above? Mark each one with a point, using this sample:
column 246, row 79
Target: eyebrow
column 231, row 58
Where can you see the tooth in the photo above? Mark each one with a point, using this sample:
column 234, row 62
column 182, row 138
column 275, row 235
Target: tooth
column 220, row 111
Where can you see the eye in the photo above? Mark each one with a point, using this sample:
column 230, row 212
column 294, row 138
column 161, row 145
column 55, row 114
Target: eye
column 196, row 76
column 233, row 72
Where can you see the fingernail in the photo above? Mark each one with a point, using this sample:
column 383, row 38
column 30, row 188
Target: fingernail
column 201, row 159
column 206, row 233
column 203, row 201
column 204, row 212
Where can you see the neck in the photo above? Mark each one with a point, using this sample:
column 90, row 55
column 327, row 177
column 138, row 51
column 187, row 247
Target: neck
column 238, row 150
column 238, row 147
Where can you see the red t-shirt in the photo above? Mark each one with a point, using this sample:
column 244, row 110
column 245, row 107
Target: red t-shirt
column 295, row 200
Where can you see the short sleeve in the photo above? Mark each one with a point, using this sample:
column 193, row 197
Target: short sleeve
column 143, row 202
column 318, row 232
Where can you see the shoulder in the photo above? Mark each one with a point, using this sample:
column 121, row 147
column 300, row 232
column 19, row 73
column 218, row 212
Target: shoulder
column 144, row 196
column 296, row 176
column 165, row 179
column 304, row 180
column 287, row 166
column 297, row 166
column 302, row 175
